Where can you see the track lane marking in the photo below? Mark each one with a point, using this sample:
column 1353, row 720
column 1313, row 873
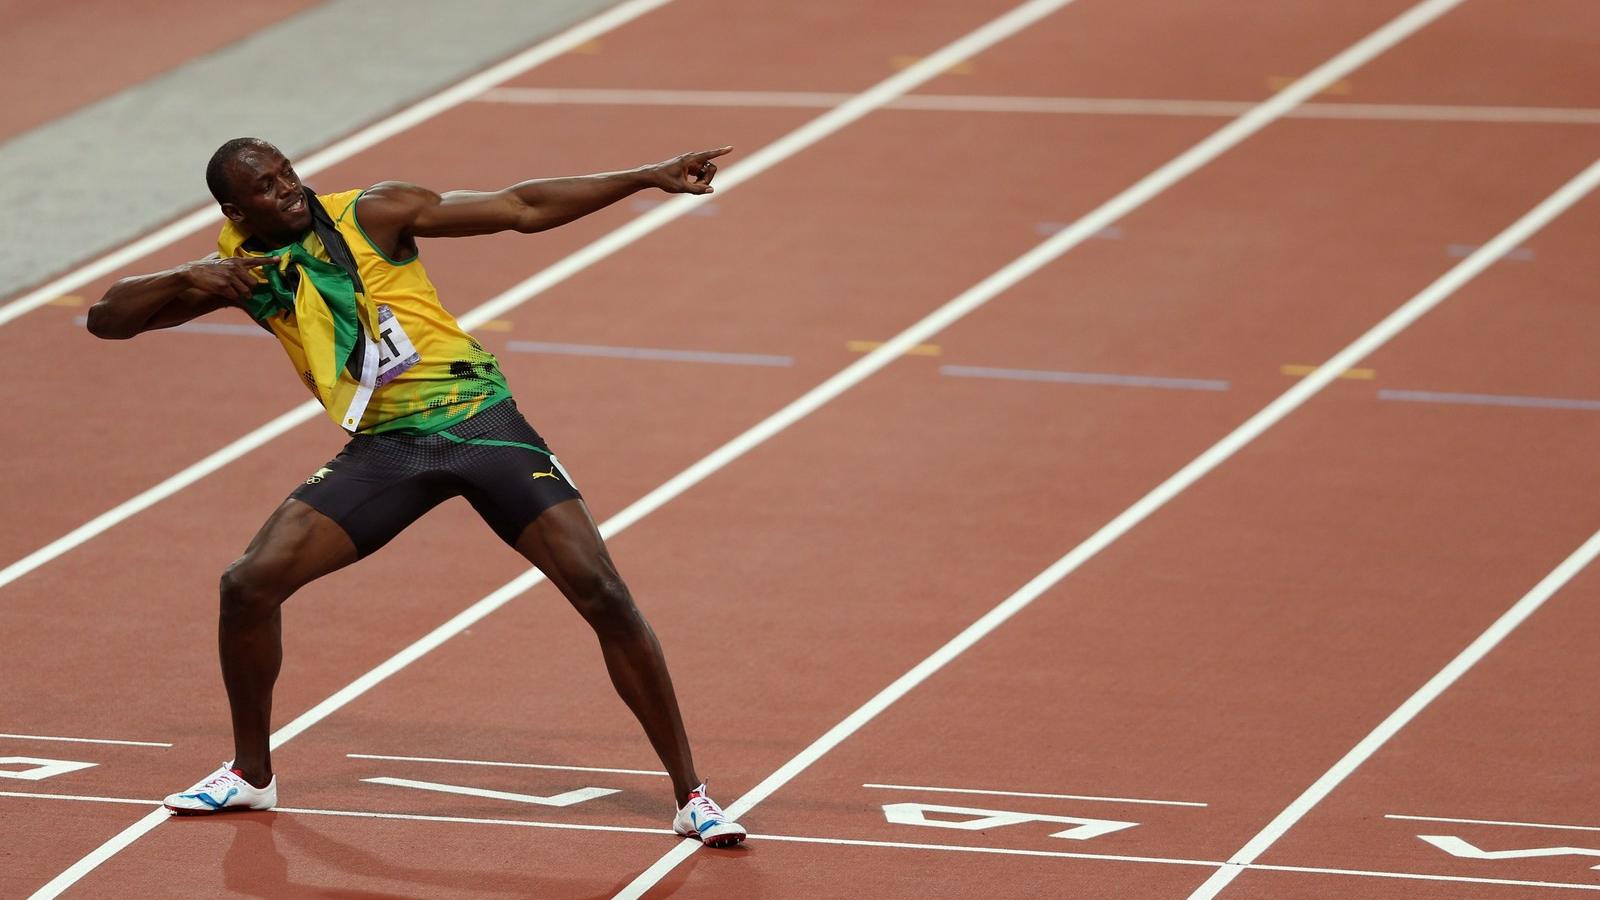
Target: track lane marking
column 951, row 790
column 1091, row 378
column 365, row 139
column 813, row 131
column 32, row 795
column 1104, row 106
column 1493, row 822
column 845, row 842
column 1459, row 399
column 657, row 354
column 78, row 740
column 1447, row 676
column 509, row 765
column 1413, row 876
column 1079, row 231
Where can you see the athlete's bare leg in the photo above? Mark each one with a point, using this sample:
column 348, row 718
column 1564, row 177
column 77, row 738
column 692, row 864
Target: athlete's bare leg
column 564, row 543
column 296, row 546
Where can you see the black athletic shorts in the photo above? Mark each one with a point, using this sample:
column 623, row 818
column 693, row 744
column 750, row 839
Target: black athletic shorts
column 380, row 483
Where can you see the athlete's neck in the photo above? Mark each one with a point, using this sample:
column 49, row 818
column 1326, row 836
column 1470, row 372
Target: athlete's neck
column 269, row 242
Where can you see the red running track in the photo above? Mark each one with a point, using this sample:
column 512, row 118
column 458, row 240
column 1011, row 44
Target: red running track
column 1225, row 652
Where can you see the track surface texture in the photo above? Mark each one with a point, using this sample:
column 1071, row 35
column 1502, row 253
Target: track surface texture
column 1216, row 522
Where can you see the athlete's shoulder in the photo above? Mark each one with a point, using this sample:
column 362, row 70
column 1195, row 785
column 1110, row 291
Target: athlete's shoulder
column 339, row 203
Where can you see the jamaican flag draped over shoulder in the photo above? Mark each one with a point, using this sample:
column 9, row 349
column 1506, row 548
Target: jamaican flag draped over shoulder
column 316, row 286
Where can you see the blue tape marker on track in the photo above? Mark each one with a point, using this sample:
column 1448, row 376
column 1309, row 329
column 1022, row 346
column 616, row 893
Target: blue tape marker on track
column 699, row 356
column 1488, row 399
column 1144, row 381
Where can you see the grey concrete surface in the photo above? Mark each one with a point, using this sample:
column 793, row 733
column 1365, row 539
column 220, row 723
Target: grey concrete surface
column 99, row 177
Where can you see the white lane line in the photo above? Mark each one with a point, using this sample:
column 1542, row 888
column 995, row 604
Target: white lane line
column 468, row 820
column 1495, row 822
column 360, row 814
column 509, row 765
column 1100, row 106
column 659, row 354
column 153, row 495
column 1412, row 876
column 950, row 790
column 110, row 848
column 1417, row 702
column 366, row 138
column 610, row 97
column 28, row 795
column 843, row 842
column 78, row 740
column 1083, row 229
column 679, row 205
column 1165, row 860
column 927, row 68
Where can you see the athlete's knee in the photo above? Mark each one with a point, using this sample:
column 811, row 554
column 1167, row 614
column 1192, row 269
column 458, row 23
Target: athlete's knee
column 249, row 591
column 603, row 599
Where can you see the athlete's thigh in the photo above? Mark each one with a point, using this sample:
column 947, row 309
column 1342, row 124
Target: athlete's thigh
column 297, row 545
column 567, row 547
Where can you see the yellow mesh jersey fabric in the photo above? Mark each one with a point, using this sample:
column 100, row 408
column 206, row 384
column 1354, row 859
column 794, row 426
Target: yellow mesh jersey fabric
column 453, row 378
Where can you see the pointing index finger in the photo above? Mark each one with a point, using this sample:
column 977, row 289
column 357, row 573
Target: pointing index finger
column 704, row 155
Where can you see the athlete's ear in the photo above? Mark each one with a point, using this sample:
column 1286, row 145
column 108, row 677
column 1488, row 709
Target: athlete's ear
column 232, row 212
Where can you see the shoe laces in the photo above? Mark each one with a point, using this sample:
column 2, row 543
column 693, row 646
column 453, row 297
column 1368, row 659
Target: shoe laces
column 705, row 806
column 224, row 778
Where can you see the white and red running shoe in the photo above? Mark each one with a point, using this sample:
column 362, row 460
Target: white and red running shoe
column 701, row 817
column 223, row 790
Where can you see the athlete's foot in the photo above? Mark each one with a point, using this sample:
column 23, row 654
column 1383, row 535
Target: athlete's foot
column 223, row 790
column 702, row 818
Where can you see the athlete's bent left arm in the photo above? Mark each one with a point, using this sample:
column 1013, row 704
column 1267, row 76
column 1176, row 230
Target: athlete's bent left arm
column 394, row 212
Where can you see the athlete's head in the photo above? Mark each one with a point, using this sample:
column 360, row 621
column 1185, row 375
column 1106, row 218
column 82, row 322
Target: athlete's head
column 258, row 188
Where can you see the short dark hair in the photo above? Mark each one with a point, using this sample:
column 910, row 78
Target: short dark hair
column 222, row 160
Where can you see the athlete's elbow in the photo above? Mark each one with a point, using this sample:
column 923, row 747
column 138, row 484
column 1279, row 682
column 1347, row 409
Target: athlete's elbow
column 531, row 220
column 103, row 323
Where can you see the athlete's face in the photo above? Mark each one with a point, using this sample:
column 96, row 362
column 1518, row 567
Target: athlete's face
column 268, row 200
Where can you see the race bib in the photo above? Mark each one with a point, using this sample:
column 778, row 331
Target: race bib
column 395, row 351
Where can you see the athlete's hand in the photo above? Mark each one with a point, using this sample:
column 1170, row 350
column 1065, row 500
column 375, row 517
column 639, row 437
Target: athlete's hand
column 231, row 279
column 690, row 173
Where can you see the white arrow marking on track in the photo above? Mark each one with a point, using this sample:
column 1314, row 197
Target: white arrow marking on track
column 567, row 799
column 39, row 769
column 1457, row 847
column 916, row 814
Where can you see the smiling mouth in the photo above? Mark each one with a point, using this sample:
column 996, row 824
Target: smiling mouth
column 298, row 205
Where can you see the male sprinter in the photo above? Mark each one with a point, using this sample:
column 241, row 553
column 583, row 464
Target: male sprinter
column 335, row 277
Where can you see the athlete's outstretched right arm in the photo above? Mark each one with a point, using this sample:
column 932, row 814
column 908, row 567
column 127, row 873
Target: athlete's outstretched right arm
column 147, row 302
